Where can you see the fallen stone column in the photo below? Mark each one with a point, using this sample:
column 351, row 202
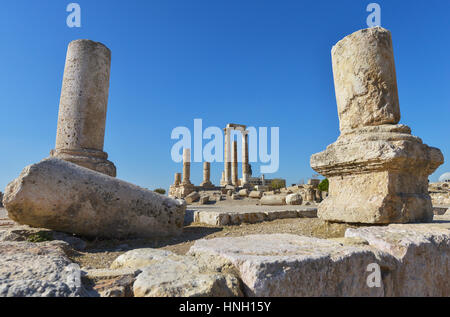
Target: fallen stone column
column 82, row 109
column 62, row 196
column 378, row 171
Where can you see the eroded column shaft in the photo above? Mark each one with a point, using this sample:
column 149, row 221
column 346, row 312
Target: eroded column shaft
column 227, row 158
column 186, row 166
column 83, row 105
column 234, row 165
column 245, row 167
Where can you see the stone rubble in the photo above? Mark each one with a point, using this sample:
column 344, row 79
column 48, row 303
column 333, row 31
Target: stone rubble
column 38, row 270
column 413, row 258
column 165, row 274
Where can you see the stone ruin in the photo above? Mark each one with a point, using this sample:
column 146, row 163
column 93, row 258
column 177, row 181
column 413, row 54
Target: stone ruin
column 378, row 171
column 181, row 189
column 230, row 173
column 413, row 258
column 75, row 190
column 83, row 104
column 232, row 186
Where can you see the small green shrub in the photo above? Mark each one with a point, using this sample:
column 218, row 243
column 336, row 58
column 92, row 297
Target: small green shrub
column 323, row 186
column 277, row 184
column 40, row 236
column 160, row 191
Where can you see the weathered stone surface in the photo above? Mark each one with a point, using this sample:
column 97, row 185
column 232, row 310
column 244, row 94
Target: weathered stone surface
column 255, row 194
column 365, row 79
column 116, row 287
column 422, row 252
column 204, row 200
column 183, row 279
column 378, row 172
column 14, row 232
column 192, row 197
column 111, row 282
column 248, row 214
column 291, row 265
column 83, row 106
column 439, row 210
column 165, row 274
column 37, row 270
column 62, row 196
column 379, row 175
column 273, row 200
column 413, row 258
column 294, row 199
column 139, row 258
column 440, row 194
column 99, row 274
column 243, row 192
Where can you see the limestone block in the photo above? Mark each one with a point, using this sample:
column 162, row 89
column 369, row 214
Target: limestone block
column 273, row 200
column 255, row 194
column 62, row 196
column 192, row 197
column 165, row 274
column 294, row 199
column 377, row 175
column 422, row 252
column 243, row 192
column 204, row 200
column 139, row 258
column 37, row 270
column 291, row 265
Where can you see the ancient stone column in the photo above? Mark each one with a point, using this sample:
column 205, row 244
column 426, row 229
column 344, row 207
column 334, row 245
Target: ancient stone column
column 177, row 180
column 83, row 104
column 227, row 158
column 377, row 171
column 186, row 166
column 174, row 189
column 234, row 165
column 365, row 79
column 206, row 175
column 245, row 166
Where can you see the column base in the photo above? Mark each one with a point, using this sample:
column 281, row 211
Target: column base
column 91, row 159
column 377, row 175
column 207, row 184
column 377, row 198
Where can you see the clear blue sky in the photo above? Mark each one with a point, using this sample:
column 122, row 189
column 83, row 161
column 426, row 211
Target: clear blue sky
column 254, row 62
